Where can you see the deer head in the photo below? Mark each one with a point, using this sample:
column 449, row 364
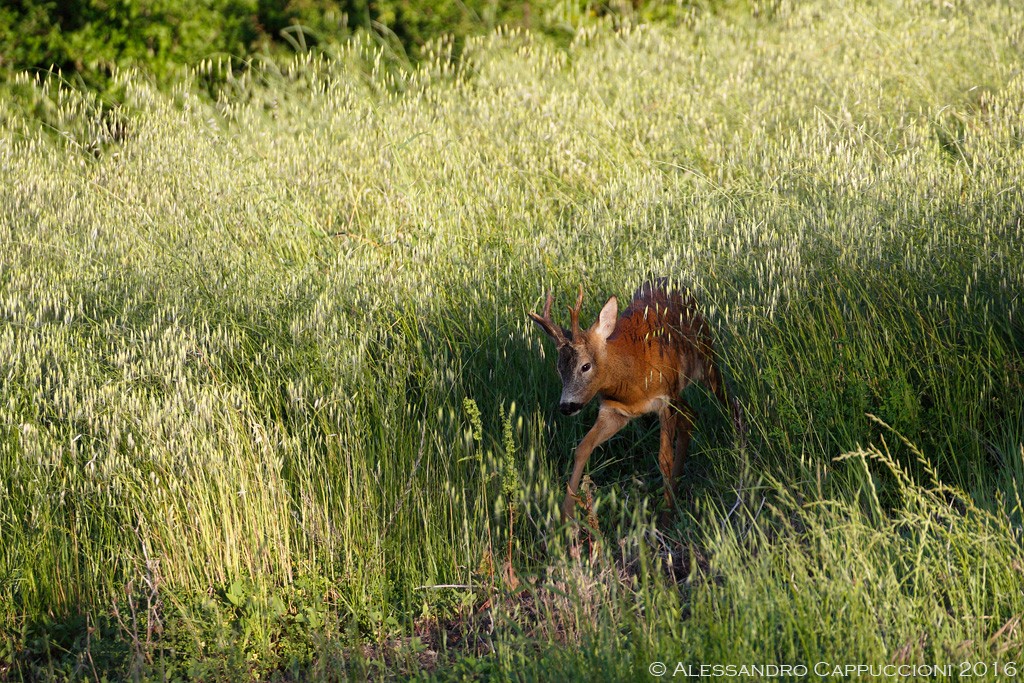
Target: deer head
column 580, row 353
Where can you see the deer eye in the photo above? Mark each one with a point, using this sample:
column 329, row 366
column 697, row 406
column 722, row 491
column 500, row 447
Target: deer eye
column 585, row 368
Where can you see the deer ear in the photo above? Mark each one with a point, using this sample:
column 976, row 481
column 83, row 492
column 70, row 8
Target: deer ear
column 605, row 324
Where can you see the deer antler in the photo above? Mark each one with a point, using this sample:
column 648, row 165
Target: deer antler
column 556, row 332
column 574, row 315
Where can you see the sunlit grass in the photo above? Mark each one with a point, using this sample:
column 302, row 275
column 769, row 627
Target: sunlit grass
column 241, row 344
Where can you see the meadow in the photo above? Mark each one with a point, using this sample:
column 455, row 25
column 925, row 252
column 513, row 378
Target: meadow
column 271, row 406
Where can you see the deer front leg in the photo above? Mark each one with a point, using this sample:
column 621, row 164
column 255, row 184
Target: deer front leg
column 677, row 420
column 608, row 423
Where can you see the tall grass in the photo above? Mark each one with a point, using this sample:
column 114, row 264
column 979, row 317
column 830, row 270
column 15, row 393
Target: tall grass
column 271, row 403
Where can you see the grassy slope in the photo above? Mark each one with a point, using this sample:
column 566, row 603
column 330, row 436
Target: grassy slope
column 236, row 344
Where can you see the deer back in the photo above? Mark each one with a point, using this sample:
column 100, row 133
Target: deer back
column 660, row 344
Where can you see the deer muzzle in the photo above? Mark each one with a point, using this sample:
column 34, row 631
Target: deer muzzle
column 570, row 408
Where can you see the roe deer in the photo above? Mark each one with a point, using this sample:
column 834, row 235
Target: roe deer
column 637, row 363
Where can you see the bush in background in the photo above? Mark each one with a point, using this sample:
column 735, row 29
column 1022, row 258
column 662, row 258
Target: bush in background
column 91, row 37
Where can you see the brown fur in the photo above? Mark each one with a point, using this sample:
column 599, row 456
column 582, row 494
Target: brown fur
column 636, row 364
